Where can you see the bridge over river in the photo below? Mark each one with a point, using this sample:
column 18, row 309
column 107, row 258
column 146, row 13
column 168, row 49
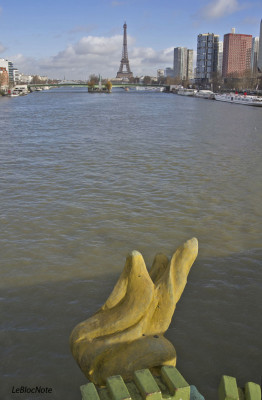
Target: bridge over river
column 114, row 85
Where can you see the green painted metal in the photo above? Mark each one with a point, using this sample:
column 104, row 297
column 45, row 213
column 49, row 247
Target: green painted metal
column 252, row 391
column 147, row 385
column 144, row 386
column 171, row 385
column 178, row 386
column 89, row 392
column 173, row 378
column 228, row 388
column 117, row 388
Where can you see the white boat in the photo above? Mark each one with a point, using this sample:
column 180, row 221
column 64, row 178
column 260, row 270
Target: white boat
column 186, row 92
column 13, row 94
column 205, row 94
column 151, row 88
column 240, row 99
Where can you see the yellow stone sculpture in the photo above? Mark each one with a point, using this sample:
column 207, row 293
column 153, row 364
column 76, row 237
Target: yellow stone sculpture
column 127, row 333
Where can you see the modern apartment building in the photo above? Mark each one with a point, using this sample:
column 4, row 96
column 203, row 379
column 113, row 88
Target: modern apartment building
column 183, row 63
column 190, row 67
column 169, row 72
column 236, row 54
column 254, row 54
column 207, row 57
column 259, row 59
column 220, row 58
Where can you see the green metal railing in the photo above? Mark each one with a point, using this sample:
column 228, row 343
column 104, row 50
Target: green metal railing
column 171, row 385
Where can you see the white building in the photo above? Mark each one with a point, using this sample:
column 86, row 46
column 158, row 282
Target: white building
column 254, row 54
column 25, row 78
column 4, row 63
column 180, row 63
column 207, row 57
column 183, row 63
column 220, row 57
column 160, row 73
column 190, row 62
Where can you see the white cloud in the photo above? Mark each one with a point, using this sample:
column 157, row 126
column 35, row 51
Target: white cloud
column 98, row 45
column 96, row 54
column 220, row 8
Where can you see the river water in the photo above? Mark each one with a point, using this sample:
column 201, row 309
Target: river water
column 84, row 180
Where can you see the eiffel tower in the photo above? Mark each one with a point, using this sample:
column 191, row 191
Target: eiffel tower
column 124, row 61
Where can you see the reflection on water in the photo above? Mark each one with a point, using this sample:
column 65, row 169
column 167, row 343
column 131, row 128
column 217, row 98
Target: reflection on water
column 87, row 178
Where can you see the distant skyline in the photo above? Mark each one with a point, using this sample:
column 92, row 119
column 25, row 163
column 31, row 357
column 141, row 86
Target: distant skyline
column 61, row 38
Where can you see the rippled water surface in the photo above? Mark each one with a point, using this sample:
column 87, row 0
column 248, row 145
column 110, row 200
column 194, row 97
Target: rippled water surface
column 84, row 179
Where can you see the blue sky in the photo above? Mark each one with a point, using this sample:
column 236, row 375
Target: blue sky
column 77, row 38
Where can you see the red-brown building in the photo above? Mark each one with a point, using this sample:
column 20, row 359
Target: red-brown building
column 236, row 54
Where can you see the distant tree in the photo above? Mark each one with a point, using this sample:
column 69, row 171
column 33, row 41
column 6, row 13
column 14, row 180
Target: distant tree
column 136, row 79
column 147, row 80
column 185, row 83
column 230, row 82
column 259, row 82
column 91, row 84
column 4, row 78
column 108, row 86
column 161, row 80
column 249, row 81
column 36, row 79
column 173, row 81
column 1, row 79
column 94, row 78
column 216, row 81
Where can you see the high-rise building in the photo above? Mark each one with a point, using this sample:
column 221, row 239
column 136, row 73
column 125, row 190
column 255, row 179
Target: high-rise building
column 207, row 57
column 254, row 54
column 169, row 72
column 259, row 59
column 180, row 62
column 236, row 54
column 190, row 68
column 220, row 58
column 183, row 63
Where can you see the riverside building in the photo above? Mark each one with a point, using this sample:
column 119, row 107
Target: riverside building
column 236, row 54
column 254, row 54
column 220, row 58
column 207, row 58
column 183, row 63
column 259, row 60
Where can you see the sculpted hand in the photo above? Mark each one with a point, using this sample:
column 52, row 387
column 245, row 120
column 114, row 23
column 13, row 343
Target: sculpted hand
column 126, row 333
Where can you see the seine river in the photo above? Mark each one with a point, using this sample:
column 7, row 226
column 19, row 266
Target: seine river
column 87, row 178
